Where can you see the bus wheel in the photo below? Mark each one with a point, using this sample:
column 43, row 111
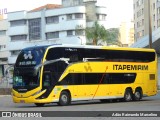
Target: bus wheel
column 64, row 98
column 137, row 95
column 128, row 95
column 39, row 104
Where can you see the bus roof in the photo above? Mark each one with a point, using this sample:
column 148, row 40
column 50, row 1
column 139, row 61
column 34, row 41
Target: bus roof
column 91, row 47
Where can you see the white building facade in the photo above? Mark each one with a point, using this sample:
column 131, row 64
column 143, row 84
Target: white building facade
column 62, row 25
column 4, row 52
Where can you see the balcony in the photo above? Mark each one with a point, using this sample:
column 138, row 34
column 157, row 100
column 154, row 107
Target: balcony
column 18, row 15
column 66, row 10
column 101, row 10
column 18, row 30
column 4, row 54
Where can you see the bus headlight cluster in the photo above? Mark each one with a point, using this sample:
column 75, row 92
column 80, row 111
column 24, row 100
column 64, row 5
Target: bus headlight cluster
column 37, row 93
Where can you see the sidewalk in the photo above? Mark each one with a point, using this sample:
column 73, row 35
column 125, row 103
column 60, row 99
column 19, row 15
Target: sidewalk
column 5, row 91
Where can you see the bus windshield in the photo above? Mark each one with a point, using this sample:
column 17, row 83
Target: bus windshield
column 29, row 57
column 25, row 81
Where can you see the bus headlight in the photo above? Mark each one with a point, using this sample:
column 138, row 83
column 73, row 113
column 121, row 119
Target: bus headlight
column 38, row 92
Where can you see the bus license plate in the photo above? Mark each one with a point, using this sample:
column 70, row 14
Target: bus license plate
column 22, row 101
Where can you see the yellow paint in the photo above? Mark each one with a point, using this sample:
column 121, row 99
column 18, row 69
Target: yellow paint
column 86, row 92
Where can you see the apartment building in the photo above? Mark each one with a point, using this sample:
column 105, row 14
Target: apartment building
column 52, row 24
column 4, row 52
column 142, row 14
column 126, row 31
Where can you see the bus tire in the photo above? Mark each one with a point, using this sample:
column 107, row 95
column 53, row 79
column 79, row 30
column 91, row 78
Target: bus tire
column 64, row 99
column 137, row 95
column 128, row 95
column 39, row 104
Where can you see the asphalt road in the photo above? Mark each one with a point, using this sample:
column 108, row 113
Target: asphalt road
column 146, row 104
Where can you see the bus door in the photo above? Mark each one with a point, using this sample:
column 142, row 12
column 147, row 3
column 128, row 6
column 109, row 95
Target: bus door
column 47, row 83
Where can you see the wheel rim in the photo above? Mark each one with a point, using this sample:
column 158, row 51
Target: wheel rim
column 137, row 95
column 64, row 98
column 128, row 96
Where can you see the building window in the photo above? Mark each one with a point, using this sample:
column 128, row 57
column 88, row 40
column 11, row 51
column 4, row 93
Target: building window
column 154, row 27
column 2, row 32
column 154, row 6
column 158, row 22
column 139, row 3
column 52, row 35
column 142, row 32
column 17, row 22
column 142, row 21
column 69, row 32
column 18, row 37
column 79, row 32
column 154, row 17
column 69, row 17
column 2, row 46
column 35, row 29
column 53, row 19
column 158, row 10
column 79, row 15
column 101, row 16
column 142, row 11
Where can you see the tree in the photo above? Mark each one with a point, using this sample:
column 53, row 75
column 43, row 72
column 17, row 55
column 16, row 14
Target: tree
column 113, row 36
column 96, row 32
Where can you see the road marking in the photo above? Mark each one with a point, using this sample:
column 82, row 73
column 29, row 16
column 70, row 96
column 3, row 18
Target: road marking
column 5, row 95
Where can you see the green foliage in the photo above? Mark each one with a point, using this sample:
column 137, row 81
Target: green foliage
column 96, row 32
column 113, row 36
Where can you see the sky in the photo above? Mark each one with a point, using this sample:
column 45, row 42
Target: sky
column 117, row 10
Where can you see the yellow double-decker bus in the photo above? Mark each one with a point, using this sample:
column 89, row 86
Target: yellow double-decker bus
column 62, row 74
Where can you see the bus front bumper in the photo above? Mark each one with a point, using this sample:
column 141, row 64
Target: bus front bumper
column 32, row 100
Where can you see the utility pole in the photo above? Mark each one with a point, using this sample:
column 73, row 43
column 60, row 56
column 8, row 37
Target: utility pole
column 150, row 25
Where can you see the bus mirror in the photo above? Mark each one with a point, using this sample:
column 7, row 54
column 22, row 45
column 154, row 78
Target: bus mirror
column 36, row 68
column 65, row 60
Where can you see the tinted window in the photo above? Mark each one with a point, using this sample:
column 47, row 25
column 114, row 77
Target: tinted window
column 119, row 78
column 118, row 55
column 98, row 78
column 30, row 57
column 74, row 54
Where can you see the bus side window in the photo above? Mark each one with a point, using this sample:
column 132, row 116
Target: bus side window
column 106, row 79
column 47, row 80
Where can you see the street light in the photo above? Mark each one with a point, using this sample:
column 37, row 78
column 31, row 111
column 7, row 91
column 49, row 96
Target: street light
column 150, row 25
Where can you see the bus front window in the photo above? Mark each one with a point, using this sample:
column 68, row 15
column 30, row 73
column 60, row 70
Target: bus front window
column 25, row 81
